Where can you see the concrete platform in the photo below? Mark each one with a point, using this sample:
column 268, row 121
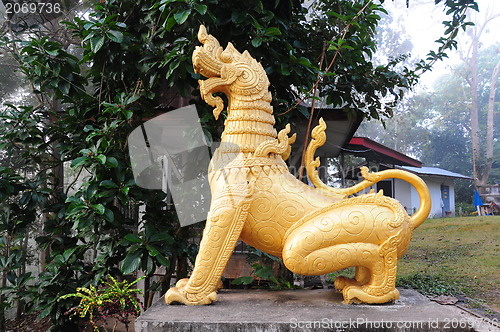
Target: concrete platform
column 307, row 310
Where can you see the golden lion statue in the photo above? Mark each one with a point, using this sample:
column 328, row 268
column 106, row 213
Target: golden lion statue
column 255, row 198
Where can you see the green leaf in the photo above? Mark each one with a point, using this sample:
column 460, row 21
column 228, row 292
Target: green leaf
column 101, row 158
column 181, row 17
column 148, row 265
column 11, row 277
column 173, row 66
column 170, row 23
column 132, row 99
column 202, row 9
column 25, row 198
column 237, row 17
column 131, row 262
column 68, row 253
column 127, row 113
column 64, row 87
column 52, row 52
column 116, row 36
column 263, row 271
column 162, row 237
column 125, row 190
column 46, row 311
column 109, row 184
column 304, row 61
column 242, row 281
column 96, row 43
column 112, row 162
column 257, row 41
column 99, row 208
column 78, row 161
column 273, row 31
column 284, row 69
column 162, row 260
column 152, row 250
column 133, row 238
column 109, row 215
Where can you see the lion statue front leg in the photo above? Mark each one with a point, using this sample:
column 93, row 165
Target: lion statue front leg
column 223, row 228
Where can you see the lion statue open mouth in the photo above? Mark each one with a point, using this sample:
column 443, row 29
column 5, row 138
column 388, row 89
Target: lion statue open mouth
column 255, row 198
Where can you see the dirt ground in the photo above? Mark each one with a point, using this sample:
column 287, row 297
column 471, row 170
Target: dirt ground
column 27, row 323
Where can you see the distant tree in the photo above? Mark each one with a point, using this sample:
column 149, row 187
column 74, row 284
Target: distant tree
column 477, row 87
column 435, row 126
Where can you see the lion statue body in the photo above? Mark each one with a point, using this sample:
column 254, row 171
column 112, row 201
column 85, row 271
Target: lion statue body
column 256, row 199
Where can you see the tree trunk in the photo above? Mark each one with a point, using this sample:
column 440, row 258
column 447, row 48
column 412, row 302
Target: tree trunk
column 4, row 283
column 474, row 112
column 481, row 170
column 490, row 126
column 21, row 271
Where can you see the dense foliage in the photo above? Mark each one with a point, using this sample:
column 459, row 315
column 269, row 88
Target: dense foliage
column 125, row 62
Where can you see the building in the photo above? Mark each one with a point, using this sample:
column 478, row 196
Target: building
column 441, row 183
column 341, row 143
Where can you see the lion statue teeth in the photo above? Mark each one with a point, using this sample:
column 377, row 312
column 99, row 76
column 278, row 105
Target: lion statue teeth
column 255, row 198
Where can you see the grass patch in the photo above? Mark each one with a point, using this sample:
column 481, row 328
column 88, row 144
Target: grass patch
column 452, row 256
column 455, row 256
column 428, row 284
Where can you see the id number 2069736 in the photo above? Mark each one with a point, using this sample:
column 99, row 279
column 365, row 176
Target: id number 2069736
column 33, row 8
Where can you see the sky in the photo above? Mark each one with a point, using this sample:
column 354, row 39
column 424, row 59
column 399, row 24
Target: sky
column 423, row 23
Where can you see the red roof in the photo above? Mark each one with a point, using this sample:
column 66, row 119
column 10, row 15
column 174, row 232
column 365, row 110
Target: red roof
column 365, row 147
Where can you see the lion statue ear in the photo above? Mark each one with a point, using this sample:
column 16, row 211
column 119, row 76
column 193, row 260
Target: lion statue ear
column 227, row 56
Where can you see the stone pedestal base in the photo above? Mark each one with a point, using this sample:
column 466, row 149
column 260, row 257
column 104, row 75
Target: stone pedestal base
column 306, row 310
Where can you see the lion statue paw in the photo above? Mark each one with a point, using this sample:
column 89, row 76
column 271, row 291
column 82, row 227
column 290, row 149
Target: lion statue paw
column 361, row 294
column 179, row 294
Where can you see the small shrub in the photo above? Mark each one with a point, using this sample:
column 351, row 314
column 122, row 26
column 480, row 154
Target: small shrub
column 267, row 271
column 116, row 299
column 464, row 209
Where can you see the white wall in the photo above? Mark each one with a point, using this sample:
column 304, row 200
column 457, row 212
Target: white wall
column 405, row 194
column 434, row 185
